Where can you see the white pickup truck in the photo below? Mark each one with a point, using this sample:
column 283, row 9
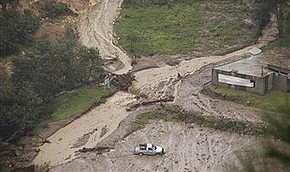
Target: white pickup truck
column 148, row 149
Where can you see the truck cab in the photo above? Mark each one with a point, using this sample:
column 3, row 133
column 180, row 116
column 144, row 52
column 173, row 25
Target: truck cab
column 148, row 149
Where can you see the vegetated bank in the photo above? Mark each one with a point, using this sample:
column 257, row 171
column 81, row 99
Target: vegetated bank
column 274, row 101
column 38, row 76
column 185, row 27
column 176, row 114
column 79, row 101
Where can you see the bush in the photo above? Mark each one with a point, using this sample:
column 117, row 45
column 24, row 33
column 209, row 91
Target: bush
column 16, row 31
column 55, row 10
column 40, row 74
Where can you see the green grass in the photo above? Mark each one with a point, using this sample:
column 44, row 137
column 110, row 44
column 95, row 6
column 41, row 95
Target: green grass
column 143, row 119
column 187, row 28
column 73, row 103
column 274, row 101
column 175, row 114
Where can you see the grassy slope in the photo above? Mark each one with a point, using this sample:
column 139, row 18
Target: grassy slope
column 274, row 101
column 192, row 28
column 73, row 103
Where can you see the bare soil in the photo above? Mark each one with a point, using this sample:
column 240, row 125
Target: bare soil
column 188, row 147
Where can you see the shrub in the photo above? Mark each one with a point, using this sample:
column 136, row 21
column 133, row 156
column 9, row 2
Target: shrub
column 55, row 10
column 16, row 31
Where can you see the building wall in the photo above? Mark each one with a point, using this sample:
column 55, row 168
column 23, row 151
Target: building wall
column 281, row 82
column 278, row 69
column 269, row 82
column 288, row 85
column 261, row 84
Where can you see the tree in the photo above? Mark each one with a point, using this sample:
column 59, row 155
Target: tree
column 279, row 9
column 16, row 31
column 55, row 10
column 265, row 7
column 39, row 74
column 19, row 106
column 90, row 62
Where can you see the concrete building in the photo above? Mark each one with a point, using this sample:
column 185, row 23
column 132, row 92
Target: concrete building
column 258, row 74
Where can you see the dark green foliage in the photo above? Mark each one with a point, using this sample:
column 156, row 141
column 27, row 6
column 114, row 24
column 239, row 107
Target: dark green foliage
column 262, row 15
column 284, row 40
column 53, row 69
column 55, row 10
column 19, row 109
column 39, row 74
column 6, row 86
column 16, row 31
column 265, row 7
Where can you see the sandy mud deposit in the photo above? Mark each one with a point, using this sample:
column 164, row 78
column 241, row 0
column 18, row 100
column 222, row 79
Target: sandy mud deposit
column 189, row 148
column 85, row 131
column 96, row 30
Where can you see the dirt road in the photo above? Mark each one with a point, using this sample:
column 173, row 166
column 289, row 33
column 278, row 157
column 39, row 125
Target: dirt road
column 195, row 149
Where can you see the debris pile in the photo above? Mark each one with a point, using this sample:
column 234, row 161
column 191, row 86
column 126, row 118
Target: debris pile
column 119, row 82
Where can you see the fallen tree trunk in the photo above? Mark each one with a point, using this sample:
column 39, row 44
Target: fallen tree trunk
column 98, row 150
column 150, row 102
